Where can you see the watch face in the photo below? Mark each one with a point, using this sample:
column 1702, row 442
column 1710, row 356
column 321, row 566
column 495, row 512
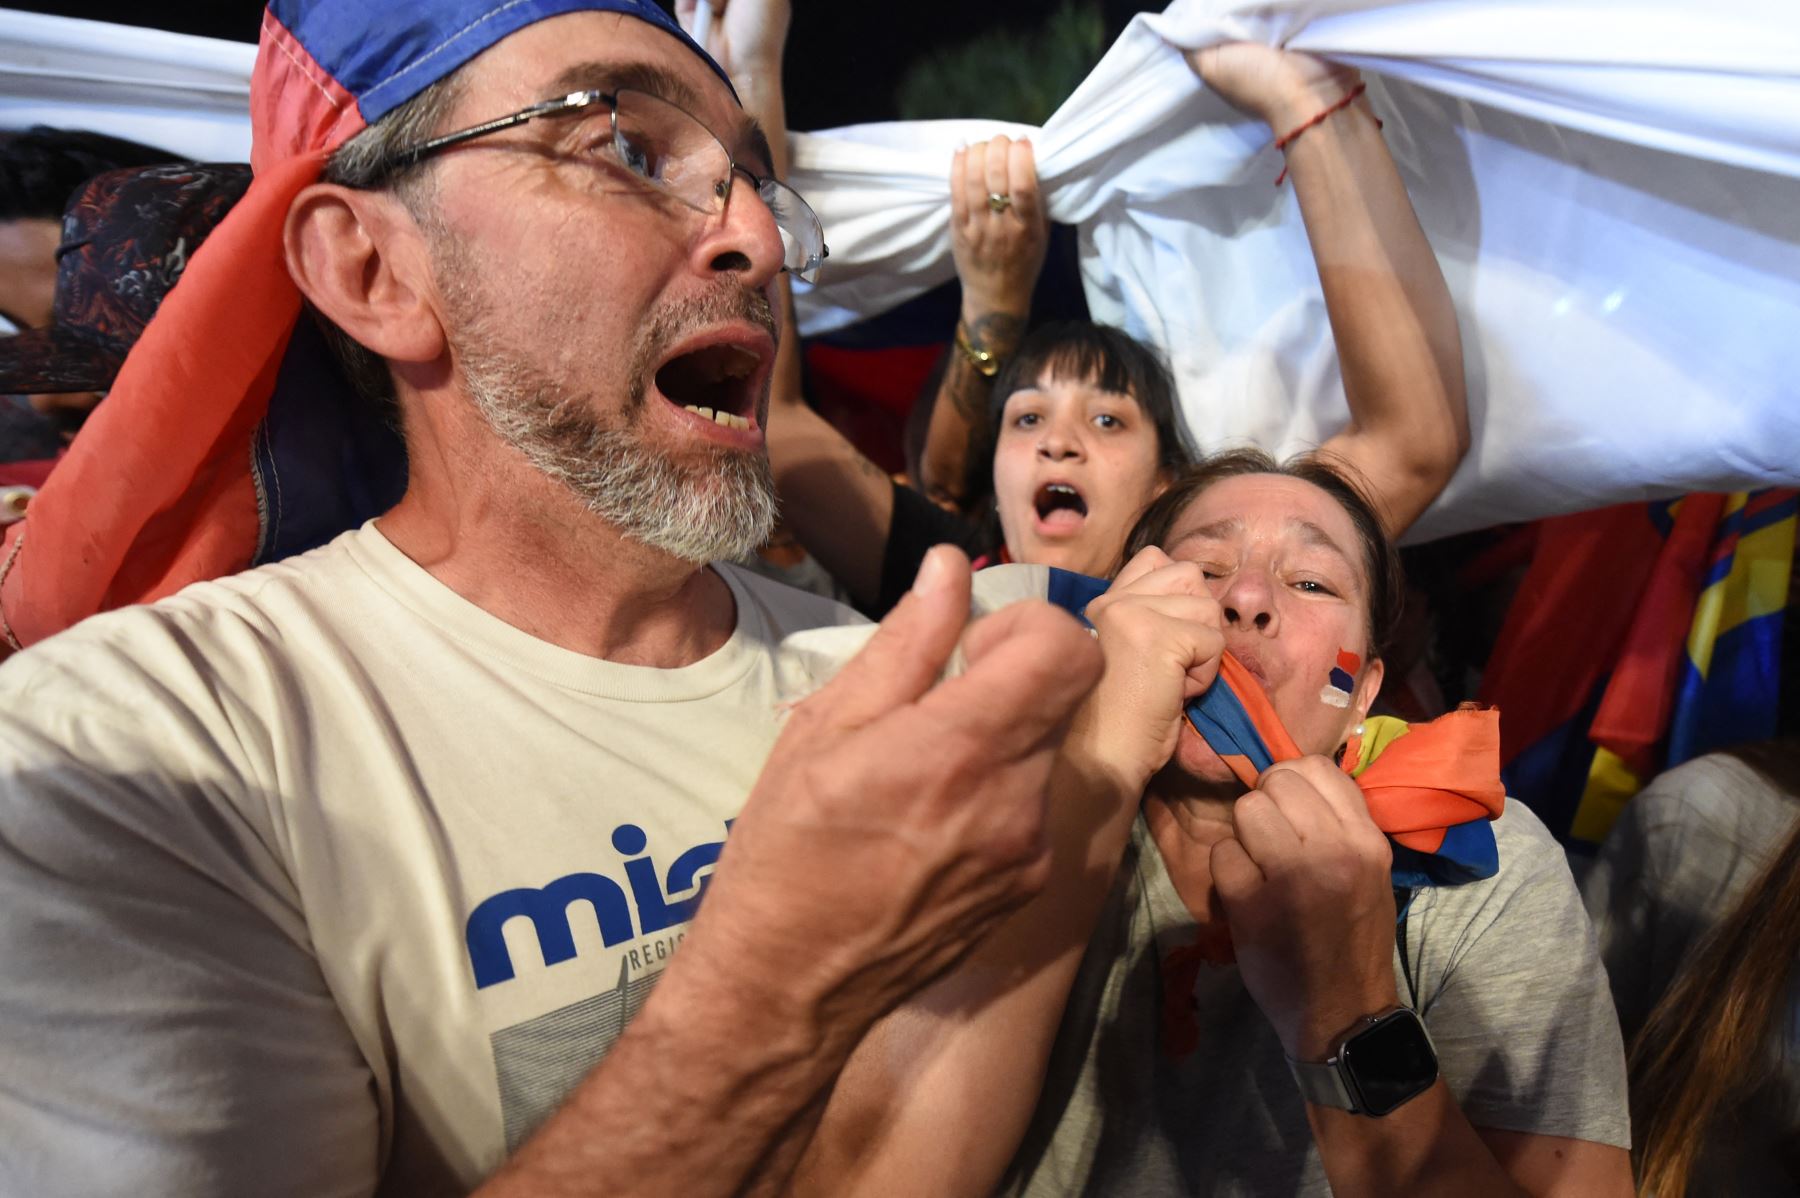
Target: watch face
column 1390, row 1062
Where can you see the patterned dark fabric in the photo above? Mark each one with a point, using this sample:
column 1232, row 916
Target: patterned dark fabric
column 26, row 435
column 127, row 236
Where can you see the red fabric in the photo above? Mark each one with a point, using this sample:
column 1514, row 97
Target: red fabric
column 156, row 493
column 1510, row 549
column 867, row 394
column 1639, row 699
column 27, row 474
column 1180, row 974
column 296, row 107
column 1545, row 663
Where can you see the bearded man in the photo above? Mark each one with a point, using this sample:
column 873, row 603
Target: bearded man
column 354, row 872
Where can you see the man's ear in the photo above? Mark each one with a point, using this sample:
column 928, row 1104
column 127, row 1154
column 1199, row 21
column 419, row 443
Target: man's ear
column 361, row 260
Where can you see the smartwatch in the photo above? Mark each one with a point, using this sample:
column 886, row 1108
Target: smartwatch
column 1379, row 1065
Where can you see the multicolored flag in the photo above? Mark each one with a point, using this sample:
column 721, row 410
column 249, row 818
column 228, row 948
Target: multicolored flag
column 1644, row 635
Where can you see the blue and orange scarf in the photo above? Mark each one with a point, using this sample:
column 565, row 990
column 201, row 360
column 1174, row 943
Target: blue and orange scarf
column 1433, row 788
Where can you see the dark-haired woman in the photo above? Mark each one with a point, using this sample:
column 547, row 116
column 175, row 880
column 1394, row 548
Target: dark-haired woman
column 1696, row 897
column 1083, row 419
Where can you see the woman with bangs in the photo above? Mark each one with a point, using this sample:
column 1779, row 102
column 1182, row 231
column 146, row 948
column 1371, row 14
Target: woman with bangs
column 1077, row 425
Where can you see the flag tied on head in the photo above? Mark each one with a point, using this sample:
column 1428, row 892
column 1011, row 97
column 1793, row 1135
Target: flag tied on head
column 173, row 479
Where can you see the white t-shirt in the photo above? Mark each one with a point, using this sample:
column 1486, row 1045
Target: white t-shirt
column 320, row 880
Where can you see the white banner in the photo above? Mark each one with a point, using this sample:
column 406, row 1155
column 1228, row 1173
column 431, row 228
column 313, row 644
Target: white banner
column 1612, row 186
column 188, row 95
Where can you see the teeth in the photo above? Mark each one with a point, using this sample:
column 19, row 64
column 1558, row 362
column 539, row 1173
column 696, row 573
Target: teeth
column 1062, row 489
column 725, row 418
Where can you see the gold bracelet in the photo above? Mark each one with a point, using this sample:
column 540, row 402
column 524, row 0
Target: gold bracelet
column 985, row 363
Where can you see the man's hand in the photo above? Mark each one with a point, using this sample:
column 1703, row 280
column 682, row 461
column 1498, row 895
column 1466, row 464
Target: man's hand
column 744, row 35
column 896, row 821
column 998, row 253
column 1307, row 889
column 1281, row 87
column 1160, row 630
column 898, row 818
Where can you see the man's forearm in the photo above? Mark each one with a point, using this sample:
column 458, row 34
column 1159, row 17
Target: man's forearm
column 942, row 1090
column 713, row 1088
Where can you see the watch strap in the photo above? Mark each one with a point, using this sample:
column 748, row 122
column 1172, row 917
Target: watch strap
column 1323, row 1083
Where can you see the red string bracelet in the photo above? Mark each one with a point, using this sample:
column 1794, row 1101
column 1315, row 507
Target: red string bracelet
column 1282, row 143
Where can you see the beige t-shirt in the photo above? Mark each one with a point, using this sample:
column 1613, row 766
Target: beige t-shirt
column 371, row 877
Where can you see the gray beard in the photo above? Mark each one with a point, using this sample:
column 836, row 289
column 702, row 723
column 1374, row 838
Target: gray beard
column 720, row 506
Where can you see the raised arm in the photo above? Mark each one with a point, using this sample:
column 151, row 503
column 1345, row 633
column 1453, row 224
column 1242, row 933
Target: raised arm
column 938, row 1097
column 1391, row 315
column 837, row 502
column 998, row 235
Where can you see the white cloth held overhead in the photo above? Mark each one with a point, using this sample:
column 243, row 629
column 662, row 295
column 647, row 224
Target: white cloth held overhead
column 1613, row 191
column 188, row 95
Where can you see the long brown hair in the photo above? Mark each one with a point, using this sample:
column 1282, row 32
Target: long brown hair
column 1700, row 1052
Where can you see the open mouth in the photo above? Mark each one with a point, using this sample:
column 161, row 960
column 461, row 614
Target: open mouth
column 715, row 382
column 1060, row 505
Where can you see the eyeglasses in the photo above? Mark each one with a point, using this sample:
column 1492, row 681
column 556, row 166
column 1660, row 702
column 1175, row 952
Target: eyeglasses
column 668, row 148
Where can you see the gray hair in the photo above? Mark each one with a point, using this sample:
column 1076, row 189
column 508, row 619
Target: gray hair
column 362, row 163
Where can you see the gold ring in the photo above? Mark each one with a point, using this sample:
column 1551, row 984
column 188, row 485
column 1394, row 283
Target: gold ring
column 998, row 202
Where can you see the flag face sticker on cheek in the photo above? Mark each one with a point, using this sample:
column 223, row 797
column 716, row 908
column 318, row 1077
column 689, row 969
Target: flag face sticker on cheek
column 1342, row 680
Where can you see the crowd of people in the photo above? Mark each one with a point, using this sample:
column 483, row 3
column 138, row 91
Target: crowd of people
column 1058, row 842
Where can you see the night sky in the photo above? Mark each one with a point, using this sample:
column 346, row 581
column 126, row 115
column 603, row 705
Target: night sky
column 844, row 60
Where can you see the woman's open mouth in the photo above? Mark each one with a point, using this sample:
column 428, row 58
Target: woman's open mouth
column 1061, row 508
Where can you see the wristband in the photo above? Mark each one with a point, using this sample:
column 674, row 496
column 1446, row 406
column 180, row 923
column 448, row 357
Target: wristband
column 984, row 362
column 1282, row 143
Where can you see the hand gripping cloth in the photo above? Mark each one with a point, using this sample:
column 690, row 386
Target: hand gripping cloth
column 170, row 480
column 1432, row 788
